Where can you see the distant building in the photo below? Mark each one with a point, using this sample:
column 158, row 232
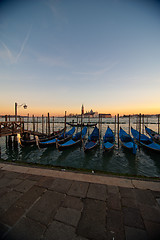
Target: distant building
column 91, row 114
column 105, row 115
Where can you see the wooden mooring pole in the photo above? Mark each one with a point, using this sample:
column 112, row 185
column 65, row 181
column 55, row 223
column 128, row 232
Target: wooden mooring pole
column 42, row 124
column 10, row 141
column 27, row 121
column 77, row 123
column 46, row 125
column 115, row 125
column 81, row 124
column 33, row 123
column 129, row 127
column 37, row 124
column 139, row 127
column 118, row 129
column 49, row 124
column 16, row 112
column 137, row 118
column 65, row 123
column 15, row 142
column 99, row 120
column 100, row 134
column 6, row 118
column 53, row 125
column 158, row 122
column 143, row 123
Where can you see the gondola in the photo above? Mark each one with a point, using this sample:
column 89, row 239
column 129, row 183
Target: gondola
column 64, row 137
column 75, row 141
column 145, row 141
column 83, row 124
column 127, row 141
column 108, row 140
column 93, row 140
column 30, row 142
column 154, row 135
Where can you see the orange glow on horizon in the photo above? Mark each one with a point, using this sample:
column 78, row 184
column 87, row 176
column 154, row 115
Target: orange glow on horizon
column 61, row 112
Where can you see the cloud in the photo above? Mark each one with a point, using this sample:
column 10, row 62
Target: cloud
column 23, row 45
column 8, row 53
column 98, row 72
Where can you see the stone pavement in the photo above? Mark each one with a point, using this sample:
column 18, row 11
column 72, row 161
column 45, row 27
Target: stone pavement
column 47, row 204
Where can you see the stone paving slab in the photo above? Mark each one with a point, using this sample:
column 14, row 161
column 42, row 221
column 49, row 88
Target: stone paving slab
column 8, row 199
column 46, row 207
column 145, row 197
column 61, row 185
column 78, row 189
column 135, row 233
column 153, row 229
column 35, row 206
column 45, row 182
column 26, row 229
column 68, row 215
column 24, row 186
column 59, row 231
column 29, row 197
column 97, row 191
column 7, row 182
column 92, row 224
column 115, row 220
column 12, row 215
column 113, row 201
column 133, row 218
column 150, row 213
column 73, row 202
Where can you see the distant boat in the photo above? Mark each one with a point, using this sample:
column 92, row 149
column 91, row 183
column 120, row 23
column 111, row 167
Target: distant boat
column 93, row 140
column 127, row 141
column 154, row 135
column 64, row 137
column 76, row 140
column 83, row 124
column 145, row 141
column 30, row 142
column 108, row 140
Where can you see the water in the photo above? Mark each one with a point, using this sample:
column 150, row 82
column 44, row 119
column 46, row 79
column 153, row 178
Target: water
column 144, row 163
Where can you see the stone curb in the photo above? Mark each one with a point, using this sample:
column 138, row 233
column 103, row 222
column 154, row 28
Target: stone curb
column 91, row 178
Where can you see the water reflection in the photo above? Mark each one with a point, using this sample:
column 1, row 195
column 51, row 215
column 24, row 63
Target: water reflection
column 144, row 163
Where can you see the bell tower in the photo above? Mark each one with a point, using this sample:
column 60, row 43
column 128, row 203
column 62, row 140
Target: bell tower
column 82, row 110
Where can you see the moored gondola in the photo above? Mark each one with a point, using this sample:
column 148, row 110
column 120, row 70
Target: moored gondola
column 154, row 135
column 145, row 141
column 127, row 141
column 75, row 141
column 93, row 140
column 64, row 137
column 82, row 124
column 30, row 142
column 108, row 140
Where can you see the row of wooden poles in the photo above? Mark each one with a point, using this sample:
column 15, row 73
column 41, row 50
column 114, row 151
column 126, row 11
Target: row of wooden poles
column 140, row 125
column 47, row 121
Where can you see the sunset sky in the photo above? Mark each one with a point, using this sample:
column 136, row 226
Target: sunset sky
column 56, row 55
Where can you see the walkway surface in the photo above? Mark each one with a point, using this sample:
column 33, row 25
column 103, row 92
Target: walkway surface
column 38, row 203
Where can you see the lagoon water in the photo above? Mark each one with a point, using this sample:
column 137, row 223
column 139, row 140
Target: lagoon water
column 144, row 163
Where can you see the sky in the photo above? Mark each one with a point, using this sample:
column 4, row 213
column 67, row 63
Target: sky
column 56, row 55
